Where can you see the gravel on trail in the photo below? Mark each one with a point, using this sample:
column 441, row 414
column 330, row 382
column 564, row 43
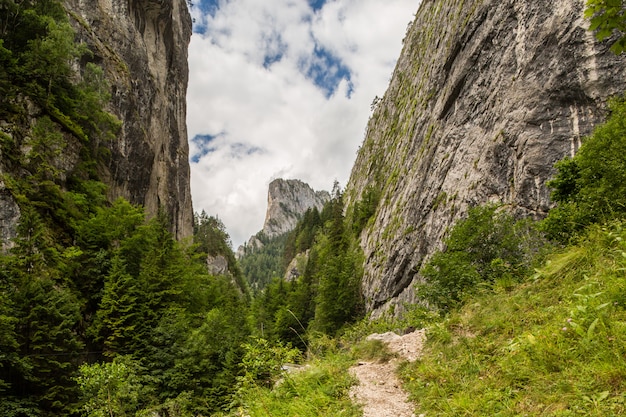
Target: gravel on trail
column 379, row 390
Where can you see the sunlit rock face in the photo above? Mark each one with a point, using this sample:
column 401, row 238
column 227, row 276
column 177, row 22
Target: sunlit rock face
column 142, row 44
column 217, row 265
column 287, row 201
column 486, row 96
column 297, row 266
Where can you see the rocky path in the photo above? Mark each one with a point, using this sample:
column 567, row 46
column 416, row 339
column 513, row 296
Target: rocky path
column 379, row 389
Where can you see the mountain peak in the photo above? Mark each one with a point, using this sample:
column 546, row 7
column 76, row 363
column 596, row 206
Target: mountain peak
column 287, row 201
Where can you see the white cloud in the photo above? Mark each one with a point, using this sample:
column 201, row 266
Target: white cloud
column 250, row 88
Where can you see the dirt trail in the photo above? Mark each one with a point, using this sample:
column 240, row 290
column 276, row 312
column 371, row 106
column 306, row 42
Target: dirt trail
column 379, row 389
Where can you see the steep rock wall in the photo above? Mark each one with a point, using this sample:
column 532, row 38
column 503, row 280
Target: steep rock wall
column 287, row 201
column 142, row 44
column 485, row 97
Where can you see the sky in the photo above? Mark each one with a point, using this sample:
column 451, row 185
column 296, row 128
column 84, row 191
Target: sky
column 282, row 89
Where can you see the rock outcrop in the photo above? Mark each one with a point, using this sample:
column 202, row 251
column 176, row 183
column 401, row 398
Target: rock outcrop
column 142, row 45
column 217, row 265
column 287, row 201
column 297, row 266
column 485, row 97
column 9, row 216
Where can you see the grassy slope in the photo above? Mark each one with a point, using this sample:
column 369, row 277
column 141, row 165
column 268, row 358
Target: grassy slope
column 319, row 390
column 552, row 346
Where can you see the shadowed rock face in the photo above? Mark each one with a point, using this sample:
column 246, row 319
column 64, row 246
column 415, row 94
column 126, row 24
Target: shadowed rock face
column 142, row 44
column 9, row 216
column 486, row 96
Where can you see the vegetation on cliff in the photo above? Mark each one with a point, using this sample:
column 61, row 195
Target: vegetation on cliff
column 590, row 187
column 608, row 18
column 102, row 312
column 549, row 341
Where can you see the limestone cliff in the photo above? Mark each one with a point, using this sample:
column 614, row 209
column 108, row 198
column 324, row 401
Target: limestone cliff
column 142, row 47
column 142, row 44
column 485, row 97
column 287, row 200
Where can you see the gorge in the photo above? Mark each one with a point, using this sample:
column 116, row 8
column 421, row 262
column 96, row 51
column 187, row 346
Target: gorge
column 485, row 98
column 117, row 299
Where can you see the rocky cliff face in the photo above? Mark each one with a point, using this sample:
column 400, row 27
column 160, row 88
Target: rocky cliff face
column 485, row 97
column 287, row 200
column 9, row 217
column 142, row 44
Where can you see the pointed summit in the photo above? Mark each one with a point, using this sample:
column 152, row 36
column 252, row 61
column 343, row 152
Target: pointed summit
column 287, row 200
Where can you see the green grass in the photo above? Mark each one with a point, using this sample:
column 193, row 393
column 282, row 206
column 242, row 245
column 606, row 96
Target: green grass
column 554, row 345
column 372, row 350
column 320, row 389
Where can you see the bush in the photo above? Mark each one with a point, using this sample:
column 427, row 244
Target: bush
column 319, row 389
column 591, row 187
column 263, row 363
column 487, row 246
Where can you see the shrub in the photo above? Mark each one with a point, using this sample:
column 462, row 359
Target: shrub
column 591, row 187
column 488, row 245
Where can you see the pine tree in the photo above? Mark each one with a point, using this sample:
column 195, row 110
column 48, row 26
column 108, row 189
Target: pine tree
column 118, row 316
column 46, row 317
column 338, row 299
column 9, row 347
column 47, row 327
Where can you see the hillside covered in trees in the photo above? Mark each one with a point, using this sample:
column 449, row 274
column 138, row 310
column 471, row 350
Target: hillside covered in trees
column 102, row 310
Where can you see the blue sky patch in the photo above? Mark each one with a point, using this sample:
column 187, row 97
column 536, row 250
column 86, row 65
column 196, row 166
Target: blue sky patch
column 207, row 7
column 327, row 71
column 204, row 143
column 240, row 150
column 317, row 4
column 271, row 59
column 275, row 48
